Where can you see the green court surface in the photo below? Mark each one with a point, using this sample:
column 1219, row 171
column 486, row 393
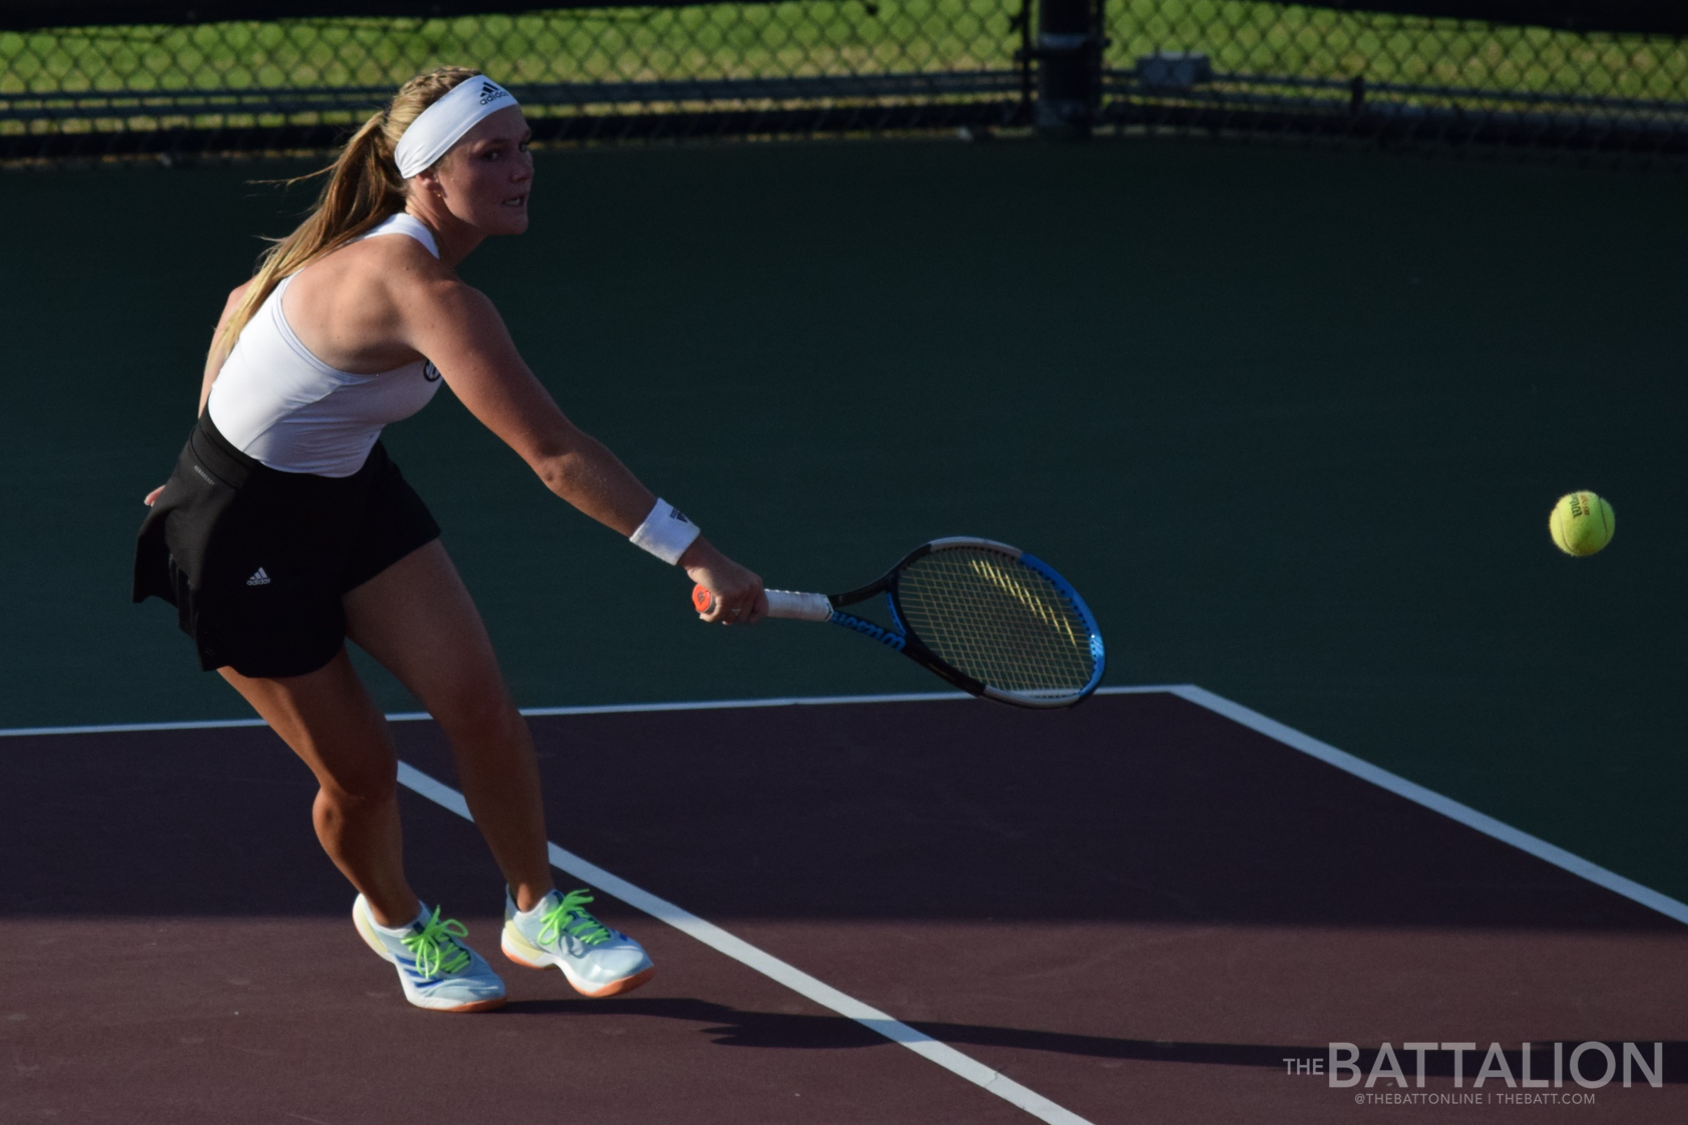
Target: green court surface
column 1292, row 419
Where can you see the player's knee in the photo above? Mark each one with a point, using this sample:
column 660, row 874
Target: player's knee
column 477, row 707
column 373, row 784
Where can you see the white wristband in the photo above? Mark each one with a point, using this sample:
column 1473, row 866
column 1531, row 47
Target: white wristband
column 665, row 533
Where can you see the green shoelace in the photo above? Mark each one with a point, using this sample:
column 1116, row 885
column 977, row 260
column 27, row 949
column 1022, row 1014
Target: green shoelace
column 435, row 949
column 567, row 917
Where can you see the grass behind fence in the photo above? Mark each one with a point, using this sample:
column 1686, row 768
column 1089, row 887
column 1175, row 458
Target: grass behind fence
column 573, row 46
column 1303, row 42
column 793, row 39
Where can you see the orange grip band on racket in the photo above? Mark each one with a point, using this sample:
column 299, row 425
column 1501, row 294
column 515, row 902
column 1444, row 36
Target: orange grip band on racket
column 702, row 600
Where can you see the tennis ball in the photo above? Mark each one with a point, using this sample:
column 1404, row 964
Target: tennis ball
column 1581, row 523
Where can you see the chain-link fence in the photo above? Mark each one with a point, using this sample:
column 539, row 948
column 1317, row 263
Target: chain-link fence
column 854, row 66
column 602, row 73
column 1271, row 67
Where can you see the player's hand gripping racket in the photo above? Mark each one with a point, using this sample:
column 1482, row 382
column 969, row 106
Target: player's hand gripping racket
column 987, row 617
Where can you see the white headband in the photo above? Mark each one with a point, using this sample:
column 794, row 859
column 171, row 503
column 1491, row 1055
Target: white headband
column 439, row 126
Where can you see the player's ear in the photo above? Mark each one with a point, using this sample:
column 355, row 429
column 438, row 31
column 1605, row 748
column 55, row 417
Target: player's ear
column 429, row 179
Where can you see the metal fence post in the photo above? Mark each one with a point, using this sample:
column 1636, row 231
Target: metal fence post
column 1069, row 73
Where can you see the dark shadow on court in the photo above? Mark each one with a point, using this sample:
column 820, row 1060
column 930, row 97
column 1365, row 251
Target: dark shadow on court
column 733, row 1027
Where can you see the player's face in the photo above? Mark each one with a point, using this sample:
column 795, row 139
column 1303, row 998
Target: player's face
column 488, row 175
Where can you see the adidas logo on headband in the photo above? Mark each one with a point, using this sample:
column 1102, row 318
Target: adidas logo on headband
column 439, row 126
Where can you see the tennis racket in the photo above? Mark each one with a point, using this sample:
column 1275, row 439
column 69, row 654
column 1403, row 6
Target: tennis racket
column 987, row 617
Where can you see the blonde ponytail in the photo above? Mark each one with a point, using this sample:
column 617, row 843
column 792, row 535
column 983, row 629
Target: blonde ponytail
column 364, row 187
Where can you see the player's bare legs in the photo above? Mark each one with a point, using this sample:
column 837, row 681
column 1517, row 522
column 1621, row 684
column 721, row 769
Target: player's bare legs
column 329, row 720
column 417, row 618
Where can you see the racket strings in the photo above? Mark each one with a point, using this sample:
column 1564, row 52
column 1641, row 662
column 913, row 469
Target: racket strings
column 997, row 620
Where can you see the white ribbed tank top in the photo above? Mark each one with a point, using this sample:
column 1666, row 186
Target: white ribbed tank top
column 278, row 403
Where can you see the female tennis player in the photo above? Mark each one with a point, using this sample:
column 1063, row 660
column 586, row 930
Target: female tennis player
column 285, row 529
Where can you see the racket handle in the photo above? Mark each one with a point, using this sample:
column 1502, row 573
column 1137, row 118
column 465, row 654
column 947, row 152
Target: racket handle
column 798, row 607
column 781, row 603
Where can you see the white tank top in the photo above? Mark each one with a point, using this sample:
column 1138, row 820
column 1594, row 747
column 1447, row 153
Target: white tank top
column 281, row 405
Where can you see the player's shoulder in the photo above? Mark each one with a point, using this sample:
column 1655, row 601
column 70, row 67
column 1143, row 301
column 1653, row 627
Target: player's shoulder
column 396, row 254
column 236, row 295
column 399, row 266
column 419, row 290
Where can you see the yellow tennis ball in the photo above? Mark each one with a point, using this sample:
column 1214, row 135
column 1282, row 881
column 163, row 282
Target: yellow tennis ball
column 1581, row 523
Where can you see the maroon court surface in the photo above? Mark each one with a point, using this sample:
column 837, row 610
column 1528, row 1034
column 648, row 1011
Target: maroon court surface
column 1138, row 909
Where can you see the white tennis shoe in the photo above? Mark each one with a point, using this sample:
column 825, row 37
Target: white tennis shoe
column 437, row 970
column 597, row 960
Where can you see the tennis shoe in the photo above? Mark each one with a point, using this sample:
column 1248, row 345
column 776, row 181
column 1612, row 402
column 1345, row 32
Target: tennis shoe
column 437, row 970
column 597, row 960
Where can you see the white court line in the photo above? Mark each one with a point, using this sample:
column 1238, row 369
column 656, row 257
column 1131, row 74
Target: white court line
column 130, row 728
column 1430, row 799
column 776, row 701
column 768, row 965
column 542, row 712
column 603, row 709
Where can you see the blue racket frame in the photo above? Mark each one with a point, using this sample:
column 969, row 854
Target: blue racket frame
column 910, row 645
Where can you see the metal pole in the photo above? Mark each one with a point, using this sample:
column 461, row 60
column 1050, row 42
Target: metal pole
column 1069, row 78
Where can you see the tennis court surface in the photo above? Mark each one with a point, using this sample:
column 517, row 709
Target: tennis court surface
column 1135, row 911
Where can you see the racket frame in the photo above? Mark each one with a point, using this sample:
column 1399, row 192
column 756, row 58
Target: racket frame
column 911, row 646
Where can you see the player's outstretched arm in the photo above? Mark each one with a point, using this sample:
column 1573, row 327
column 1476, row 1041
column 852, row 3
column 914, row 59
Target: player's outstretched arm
column 460, row 331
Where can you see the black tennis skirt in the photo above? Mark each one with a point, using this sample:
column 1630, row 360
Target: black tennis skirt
column 256, row 561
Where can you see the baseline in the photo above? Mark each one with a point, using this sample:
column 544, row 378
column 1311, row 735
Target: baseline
column 589, row 709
